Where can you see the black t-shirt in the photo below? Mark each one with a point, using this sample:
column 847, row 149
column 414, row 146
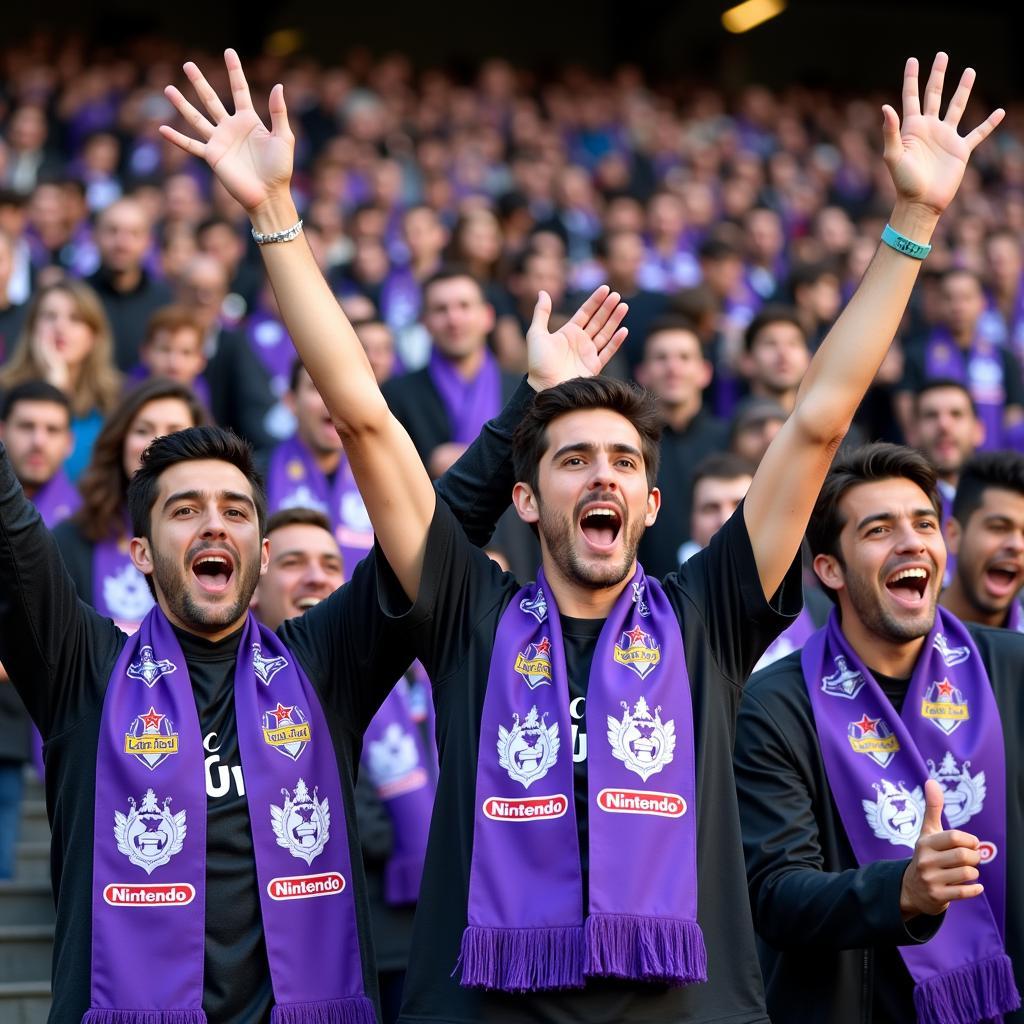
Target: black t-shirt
column 726, row 624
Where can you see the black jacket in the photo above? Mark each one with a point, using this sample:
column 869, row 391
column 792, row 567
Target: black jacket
column 829, row 929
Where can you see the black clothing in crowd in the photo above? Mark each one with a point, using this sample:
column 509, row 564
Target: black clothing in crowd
column 129, row 312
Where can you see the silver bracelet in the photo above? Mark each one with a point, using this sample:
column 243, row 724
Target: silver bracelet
column 277, row 236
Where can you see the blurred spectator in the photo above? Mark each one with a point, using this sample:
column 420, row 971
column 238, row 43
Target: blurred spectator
column 379, row 345
column 751, row 430
column 775, row 356
column 66, row 341
column 817, row 298
column 28, row 158
column 12, row 314
column 173, row 349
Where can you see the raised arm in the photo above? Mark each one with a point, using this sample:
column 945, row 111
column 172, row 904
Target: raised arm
column 255, row 166
column 926, row 157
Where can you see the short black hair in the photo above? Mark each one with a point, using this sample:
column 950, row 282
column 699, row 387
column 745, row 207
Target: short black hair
column 298, row 516
column 191, row 445
column 671, row 322
column 986, row 469
column 939, row 383
column 867, row 464
column 33, row 391
column 773, row 314
column 452, row 272
column 721, row 466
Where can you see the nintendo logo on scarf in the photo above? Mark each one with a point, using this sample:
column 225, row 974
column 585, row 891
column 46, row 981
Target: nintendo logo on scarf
column 305, row 887
column 525, row 808
column 174, row 894
column 636, row 801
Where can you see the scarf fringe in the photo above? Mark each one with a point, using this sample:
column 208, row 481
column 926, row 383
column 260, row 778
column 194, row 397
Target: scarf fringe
column 355, row 1010
column 522, row 959
column 646, row 948
column 402, row 877
column 100, row 1016
column 978, row 991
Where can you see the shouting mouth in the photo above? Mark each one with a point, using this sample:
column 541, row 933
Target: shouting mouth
column 213, row 571
column 908, row 586
column 601, row 525
column 1003, row 578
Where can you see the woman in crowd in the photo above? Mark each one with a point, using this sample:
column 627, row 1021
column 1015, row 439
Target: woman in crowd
column 94, row 542
column 67, row 342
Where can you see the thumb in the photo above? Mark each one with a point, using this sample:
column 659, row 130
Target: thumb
column 892, row 143
column 541, row 313
column 278, row 112
column 932, row 808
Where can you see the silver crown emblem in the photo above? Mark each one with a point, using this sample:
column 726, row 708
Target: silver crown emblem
column 149, row 835
column 896, row 814
column 963, row 794
column 529, row 748
column 302, row 825
column 642, row 741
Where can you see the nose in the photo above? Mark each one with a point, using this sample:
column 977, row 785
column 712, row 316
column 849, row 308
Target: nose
column 214, row 524
column 908, row 540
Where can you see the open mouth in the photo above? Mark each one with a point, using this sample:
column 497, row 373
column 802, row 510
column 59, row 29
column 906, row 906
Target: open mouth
column 307, row 602
column 908, row 586
column 213, row 571
column 1003, row 578
column 600, row 525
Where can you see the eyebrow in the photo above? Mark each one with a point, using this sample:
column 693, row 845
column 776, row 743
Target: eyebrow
column 588, row 448
column 292, row 552
column 237, row 496
column 888, row 517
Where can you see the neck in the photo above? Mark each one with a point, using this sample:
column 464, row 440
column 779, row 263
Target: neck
column 787, row 399
column 963, row 337
column 581, row 602
column 467, row 366
column 326, row 459
column 31, row 490
column 125, row 280
column 679, row 415
column 954, row 598
column 894, row 658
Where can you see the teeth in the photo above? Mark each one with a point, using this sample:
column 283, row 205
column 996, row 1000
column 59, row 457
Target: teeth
column 908, row 574
column 605, row 512
column 307, row 602
column 215, row 559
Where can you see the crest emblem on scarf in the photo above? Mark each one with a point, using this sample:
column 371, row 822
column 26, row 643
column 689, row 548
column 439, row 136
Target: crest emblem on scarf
column 845, row 682
column 149, row 835
column 126, row 595
column 393, row 762
column 266, row 668
column 950, row 655
column 302, row 825
column 303, row 497
column 148, row 668
column 285, row 729
column 538, row 607
column 896, row 814
column 944, row 706
column 353, row 513
column 529, row 748
column 640, row 740
column 963, row 794
column 534, row 664
column 151, row 739
column 295, row 469
column 872, row 736
column 638, row 651
column 638, row 600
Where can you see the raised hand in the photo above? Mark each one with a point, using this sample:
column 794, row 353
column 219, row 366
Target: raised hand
column 926, row 155
column 253, row 164
column 944, row 866
column 582, row 347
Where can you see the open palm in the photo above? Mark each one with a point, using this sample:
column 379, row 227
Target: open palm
column 926, row 155
column 252, row 163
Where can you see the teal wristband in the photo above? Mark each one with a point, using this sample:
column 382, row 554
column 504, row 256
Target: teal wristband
column 915, row 250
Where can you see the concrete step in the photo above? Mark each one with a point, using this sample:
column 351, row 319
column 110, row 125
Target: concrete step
column 33, row 828
column 26, row 952
column 32, row 862
column 24, row 1002
column 33, row 785
column 26, row 903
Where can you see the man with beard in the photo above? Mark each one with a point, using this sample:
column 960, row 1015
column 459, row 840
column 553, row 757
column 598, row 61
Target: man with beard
column 879, row 801
column 986, row 536
column 555, row 887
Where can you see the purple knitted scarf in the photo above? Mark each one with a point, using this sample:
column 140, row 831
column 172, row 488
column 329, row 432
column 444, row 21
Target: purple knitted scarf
column 877, row 762
column 149, row 849
column 528, row 928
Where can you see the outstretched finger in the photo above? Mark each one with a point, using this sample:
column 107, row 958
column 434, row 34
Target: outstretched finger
column 205, row 92
column 607, row 332
column 541, row 313
column 986, row 128
column 278, row 112
column 597, row 322
column 236, row 78
column 959, row 101
column 191, row 146
column 189, row 112
column 582, row 315
column 605, row 354
column 911, row 89
column 933, row 90
column 892, row 141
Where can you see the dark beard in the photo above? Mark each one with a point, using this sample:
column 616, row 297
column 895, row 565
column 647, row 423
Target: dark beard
column 879, row 620
column 168, row 577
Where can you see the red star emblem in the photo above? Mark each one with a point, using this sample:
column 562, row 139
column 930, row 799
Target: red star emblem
column 281, row 712
column 636, row 635
column 544, row 647
column 945, row 688
column 867, row 724
column 152, row 720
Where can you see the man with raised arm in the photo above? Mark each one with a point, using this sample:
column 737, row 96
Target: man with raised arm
column 585, row 861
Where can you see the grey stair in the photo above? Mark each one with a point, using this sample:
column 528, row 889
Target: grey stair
column 25, row 903
column 24, row 1002
column 26, row 952
column 33, row 785
column 33, row 828
column 32, row 862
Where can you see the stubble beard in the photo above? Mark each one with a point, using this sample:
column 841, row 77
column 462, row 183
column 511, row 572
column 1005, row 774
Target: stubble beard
column 879, row 620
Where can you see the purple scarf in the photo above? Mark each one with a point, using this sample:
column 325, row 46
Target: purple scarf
column 119, row 590
column 405, row 777
column 56, row 499
column 469, row 403
column 877, row 762
column 149, row 850
column 294, row 480
column 980, row 370
column 528, row 928
column 1015, row 618
column 273, row 347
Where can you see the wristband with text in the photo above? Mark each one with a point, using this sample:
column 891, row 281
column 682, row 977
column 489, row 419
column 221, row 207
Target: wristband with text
column 902, row 244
